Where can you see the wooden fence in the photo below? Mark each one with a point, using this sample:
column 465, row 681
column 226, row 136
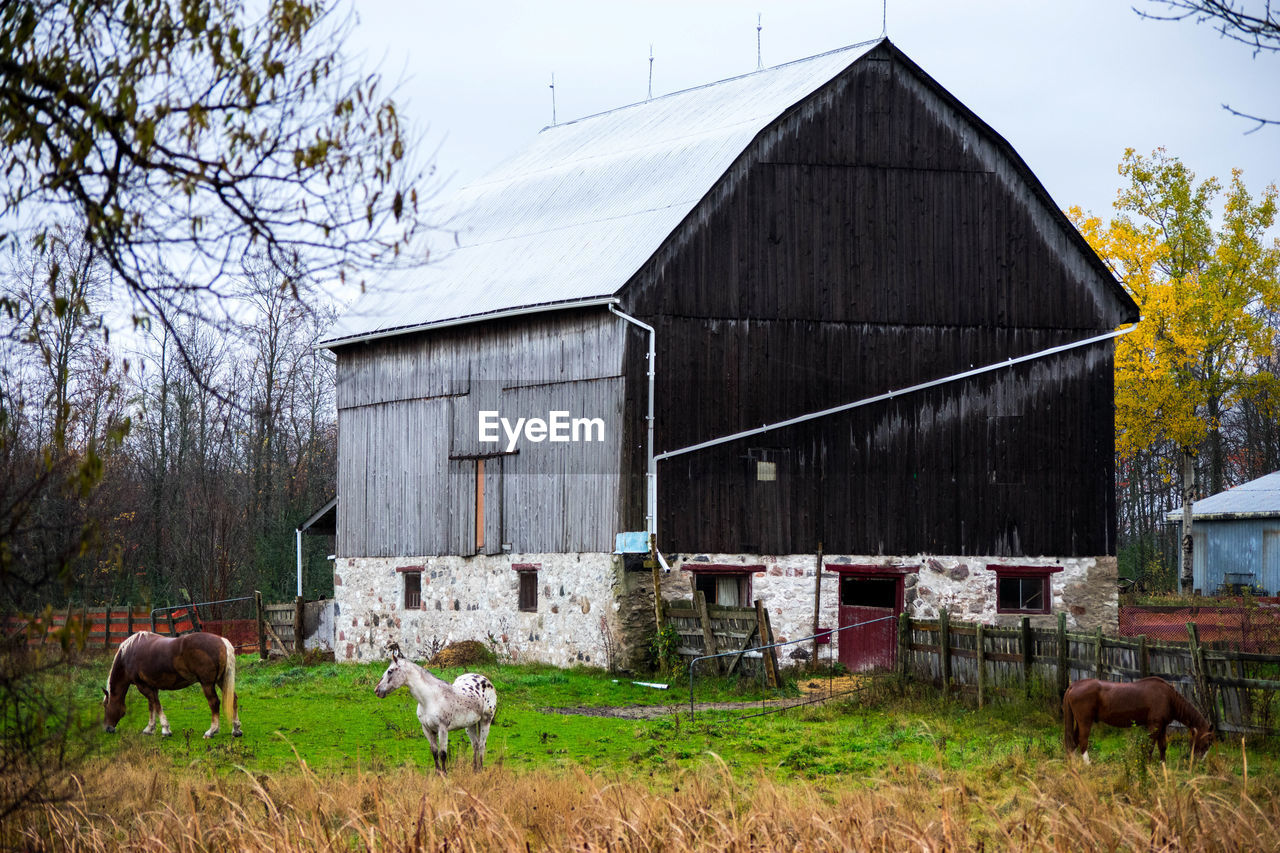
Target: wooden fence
column 712, row 629
column 1240, row 691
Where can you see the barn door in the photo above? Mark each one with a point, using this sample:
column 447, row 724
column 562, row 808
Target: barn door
column 865, row 601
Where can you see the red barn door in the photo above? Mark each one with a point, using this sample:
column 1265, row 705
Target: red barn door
column 869, row 600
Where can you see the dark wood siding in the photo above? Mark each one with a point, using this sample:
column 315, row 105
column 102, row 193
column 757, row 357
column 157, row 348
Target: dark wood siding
column 875, row 238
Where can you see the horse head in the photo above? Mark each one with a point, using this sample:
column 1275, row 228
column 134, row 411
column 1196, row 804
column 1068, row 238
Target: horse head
column 1201, row 740
column 396, row 675
column 112, row 711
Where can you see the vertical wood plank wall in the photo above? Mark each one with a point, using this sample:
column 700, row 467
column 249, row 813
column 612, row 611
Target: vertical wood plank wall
column 408, row 413
column 875, row 238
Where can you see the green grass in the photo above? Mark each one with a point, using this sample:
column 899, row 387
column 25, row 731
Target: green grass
column 327, row 717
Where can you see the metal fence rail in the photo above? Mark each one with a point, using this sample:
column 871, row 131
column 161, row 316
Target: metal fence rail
column 823, row 635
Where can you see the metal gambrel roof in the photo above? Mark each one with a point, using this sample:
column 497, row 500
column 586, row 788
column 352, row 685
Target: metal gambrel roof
column 574, row 215
column 1258, row 498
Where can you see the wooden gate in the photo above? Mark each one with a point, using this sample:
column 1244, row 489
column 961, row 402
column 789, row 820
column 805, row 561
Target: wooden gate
column 870, row 598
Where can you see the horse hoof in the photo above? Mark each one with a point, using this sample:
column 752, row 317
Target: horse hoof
column 237, row 733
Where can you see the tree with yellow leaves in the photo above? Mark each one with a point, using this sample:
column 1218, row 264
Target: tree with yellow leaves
column 1205, row 288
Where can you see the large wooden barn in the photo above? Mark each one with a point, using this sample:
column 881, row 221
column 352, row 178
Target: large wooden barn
column 772, row 255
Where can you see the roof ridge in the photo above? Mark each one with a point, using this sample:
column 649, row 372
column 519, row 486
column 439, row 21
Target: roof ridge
column 721, row 82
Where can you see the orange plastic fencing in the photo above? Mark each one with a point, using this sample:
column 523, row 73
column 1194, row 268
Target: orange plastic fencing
column 108, row 627
column 1253, row 627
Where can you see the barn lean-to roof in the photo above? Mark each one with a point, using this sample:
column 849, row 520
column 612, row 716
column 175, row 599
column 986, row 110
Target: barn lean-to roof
column 569, row 220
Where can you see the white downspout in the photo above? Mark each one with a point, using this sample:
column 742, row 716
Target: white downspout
column 651, row 464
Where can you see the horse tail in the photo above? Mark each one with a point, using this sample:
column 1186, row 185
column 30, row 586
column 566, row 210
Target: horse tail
column 229, row 682
column 1068, row 724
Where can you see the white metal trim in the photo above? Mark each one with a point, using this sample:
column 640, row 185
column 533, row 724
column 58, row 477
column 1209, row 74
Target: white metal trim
column 593, row 302
column 891, row 394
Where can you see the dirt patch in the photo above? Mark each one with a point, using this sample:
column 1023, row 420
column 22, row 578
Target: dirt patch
column 813, row 691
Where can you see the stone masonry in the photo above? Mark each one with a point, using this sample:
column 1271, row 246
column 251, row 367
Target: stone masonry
column 593, row 610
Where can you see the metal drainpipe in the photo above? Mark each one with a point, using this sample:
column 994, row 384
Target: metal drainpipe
column 651, row 465
column 298, row 541
column 955, row 377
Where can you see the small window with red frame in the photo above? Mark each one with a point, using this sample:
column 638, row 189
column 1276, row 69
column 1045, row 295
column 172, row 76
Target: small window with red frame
column 528, row 575
column 1023, row 589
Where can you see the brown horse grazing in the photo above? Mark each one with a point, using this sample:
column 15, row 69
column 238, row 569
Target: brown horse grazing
column 1148, row 702
column 156, row 663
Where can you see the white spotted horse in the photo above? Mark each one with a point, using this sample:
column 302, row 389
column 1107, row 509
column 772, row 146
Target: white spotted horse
column 469, row 703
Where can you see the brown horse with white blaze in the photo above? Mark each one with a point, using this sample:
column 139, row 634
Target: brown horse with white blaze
column 1149, row 702
column 153, row 663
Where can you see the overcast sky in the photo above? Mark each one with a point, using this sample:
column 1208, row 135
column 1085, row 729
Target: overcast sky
column 1070, row 84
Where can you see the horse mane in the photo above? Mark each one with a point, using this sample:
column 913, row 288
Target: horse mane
column 1187, row 713
column 115, row 660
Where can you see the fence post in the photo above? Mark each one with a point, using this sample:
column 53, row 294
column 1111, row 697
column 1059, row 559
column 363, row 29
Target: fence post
column 772, row 652
column 1097, row 654
column 944, row 651
column 129, row 620
column 106, row 633
column 153, row 620
column 1144, row 660
column 904, row 644
column 1028, row 654
column 708, row 633
column 1199, row 675
column 982, row 668
column 768, row 661
column 817, row 601
column 262, row 628
column 299, row 624
column 1064, row 662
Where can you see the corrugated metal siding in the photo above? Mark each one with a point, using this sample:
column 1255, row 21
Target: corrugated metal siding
column 402, row 493
column 1249, row 546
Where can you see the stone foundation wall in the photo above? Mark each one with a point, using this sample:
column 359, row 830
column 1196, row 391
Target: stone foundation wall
column 477, row 598
column 597, row 609
column 1085, row 588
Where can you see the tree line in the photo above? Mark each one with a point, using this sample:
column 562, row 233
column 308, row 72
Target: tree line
column 210, row 442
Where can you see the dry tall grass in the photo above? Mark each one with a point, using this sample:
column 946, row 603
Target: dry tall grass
column 1053, row 806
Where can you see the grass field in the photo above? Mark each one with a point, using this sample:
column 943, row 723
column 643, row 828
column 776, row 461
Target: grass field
column 324, row 764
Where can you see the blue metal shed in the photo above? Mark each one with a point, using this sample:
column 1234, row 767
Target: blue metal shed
column 1236, row 538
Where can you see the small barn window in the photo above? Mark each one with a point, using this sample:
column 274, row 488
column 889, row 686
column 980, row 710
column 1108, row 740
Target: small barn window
column 1023, row 589
column 412, row 590
column 763, row 464
column 528, row 575
column 727, row 586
